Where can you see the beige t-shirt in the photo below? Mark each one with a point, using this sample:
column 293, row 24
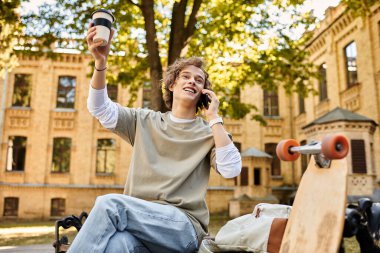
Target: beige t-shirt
column 170, row 161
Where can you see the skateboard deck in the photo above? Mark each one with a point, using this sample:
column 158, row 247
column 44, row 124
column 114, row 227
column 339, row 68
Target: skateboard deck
column 317, row 219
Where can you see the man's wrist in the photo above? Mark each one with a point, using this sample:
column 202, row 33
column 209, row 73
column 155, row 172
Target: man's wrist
column 100, row 64
column 211, row 117
column 214, row 121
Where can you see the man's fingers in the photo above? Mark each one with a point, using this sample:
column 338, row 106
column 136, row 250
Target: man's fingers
column 90, row 36
column 209, row 92
column 96, row 44
column 91, row 24
column 91, row 30
column 111, row 34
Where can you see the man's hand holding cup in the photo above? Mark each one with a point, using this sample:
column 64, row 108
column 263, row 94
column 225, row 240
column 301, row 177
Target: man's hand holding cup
column 99, row 36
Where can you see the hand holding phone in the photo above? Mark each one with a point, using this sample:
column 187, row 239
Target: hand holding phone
column 205, row 101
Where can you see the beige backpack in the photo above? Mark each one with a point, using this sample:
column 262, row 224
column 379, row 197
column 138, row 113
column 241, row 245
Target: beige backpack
column 259, row 232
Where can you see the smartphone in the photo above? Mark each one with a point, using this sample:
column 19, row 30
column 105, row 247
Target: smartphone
column 205, row 100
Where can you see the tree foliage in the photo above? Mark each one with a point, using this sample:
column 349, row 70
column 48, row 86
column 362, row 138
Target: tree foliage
column 360, row 8
column 10, row 30
column 244, row 42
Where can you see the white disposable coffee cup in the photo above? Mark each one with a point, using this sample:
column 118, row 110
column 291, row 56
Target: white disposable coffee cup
column 103, row 20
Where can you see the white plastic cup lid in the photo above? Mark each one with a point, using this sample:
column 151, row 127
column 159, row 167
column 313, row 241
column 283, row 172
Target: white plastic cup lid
column 106, row 11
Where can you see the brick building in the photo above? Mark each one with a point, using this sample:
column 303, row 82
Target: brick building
column 55, row 158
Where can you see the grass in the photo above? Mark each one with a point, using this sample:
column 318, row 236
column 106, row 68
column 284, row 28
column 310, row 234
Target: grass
column 46, row 237
column 25, row 223
column 216, row 222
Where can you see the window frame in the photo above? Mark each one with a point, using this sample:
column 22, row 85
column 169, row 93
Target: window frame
column 244, row 176
column 106, row 150
column 351, row 81
column 358, row 151
column 16, row 154
column 22, row 87
column 301, row 104
column 113, row 92
column 257, row 176
column 59, row 211
column 146, row 96
column 58, row 150
column 270, row 148
column 66, row 104
column 13, row 211
column 271, row 103
column 322, row 84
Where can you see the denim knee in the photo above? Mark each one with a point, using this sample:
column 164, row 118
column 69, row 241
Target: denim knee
column 122, row 242
column 107, row 201
column 113, row 207
column 107, row 198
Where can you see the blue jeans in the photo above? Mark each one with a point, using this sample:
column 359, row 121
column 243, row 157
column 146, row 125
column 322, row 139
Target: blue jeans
column 120, row 223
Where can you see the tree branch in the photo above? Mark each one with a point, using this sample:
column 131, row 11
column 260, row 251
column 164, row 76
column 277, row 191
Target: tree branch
column 190, row 28
column 177, row 29
column 131, row 2
column 155, row 65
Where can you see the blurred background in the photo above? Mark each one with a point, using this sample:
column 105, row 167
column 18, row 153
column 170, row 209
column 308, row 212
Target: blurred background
column 281, row 69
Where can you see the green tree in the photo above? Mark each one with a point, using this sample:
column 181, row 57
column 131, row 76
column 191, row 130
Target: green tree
column 244, row 42
column 10, row 30
column 360, row 8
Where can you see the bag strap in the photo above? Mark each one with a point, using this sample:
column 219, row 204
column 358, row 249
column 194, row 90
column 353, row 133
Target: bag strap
column 276, row 233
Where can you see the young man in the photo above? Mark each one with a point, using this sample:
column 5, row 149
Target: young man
column 163, row 207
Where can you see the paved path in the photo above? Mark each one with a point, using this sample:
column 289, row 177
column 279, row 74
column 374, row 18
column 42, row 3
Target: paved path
column 44, row 248
column 26, row 231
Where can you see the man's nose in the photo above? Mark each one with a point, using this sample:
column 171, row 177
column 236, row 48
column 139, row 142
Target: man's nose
column 191, row 80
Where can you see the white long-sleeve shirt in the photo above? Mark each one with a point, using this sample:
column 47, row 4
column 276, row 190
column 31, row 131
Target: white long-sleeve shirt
column 228, row 159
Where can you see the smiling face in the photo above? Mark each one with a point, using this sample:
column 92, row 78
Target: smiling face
column 188, row 85
column 172, row 77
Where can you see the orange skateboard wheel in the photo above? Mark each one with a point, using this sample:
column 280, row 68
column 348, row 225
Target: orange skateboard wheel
column 335, row 146
column 283, row 150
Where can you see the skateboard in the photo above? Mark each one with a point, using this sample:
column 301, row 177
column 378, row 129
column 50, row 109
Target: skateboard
column 317, row 219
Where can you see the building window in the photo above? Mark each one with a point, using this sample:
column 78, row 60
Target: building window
column 16, row 153
column 61, row 155
column 244, row 176
column 323, row 82
column 237, row 145
column 378, row 26
column 270, row 148
column 304, row 159
column 351, row 67
column 22, row 90
column 57, row 207
column 257, row 176
column 147, row 94
column 11, row 206
column 301, row 103
column 66, row 92
column 105, row 156
column 112, row 90
column 359, row 164
column 270, row 103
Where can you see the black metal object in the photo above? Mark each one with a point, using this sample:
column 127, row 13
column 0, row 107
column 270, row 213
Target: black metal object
column 363, row 222
column 61, row 245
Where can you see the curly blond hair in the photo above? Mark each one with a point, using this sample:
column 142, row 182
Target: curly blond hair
column 173, row 72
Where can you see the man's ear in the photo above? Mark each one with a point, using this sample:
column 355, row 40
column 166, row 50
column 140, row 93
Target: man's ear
column 171, row 87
